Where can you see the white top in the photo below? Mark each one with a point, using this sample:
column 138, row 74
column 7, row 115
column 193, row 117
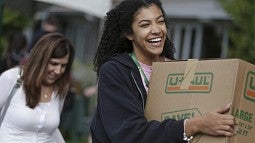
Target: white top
column 22, row 124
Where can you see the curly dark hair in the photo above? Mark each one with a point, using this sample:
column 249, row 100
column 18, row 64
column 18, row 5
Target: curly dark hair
column 118, row 23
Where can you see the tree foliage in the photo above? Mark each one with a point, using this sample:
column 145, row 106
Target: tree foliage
column 12, row 22
column 242, row 33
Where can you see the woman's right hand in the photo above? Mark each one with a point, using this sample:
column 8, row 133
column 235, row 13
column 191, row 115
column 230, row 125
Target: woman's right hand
column 214, row 123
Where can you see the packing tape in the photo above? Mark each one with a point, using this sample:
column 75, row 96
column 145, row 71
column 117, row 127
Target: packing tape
column 189, row 73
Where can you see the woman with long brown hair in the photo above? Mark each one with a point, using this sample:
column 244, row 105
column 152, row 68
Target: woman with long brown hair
column 34, row 111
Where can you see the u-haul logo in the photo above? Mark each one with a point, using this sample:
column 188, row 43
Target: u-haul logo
column 249, row 91
column 202, row 83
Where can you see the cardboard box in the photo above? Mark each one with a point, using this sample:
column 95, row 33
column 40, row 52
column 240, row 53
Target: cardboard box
column 184, row 89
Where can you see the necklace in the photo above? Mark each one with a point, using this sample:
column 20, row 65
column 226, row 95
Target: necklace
column 46, row 92
column 139, row 68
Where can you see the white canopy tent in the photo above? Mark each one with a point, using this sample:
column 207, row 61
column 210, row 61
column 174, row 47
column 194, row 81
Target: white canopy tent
column 96, row 8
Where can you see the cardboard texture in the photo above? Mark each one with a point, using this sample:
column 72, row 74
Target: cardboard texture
column 185, row 89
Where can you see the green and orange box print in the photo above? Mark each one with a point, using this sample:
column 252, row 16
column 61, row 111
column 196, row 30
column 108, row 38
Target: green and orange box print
column 185, row 89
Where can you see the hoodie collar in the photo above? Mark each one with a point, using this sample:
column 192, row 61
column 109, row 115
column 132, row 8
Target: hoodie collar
column 125, row 59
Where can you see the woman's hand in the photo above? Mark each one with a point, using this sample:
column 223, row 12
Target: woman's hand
column 213, row 123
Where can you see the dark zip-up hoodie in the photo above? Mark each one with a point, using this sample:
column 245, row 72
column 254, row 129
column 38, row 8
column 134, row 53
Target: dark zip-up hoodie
column 120, row 116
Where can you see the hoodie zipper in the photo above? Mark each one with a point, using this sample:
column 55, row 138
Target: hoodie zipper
column 138, row 89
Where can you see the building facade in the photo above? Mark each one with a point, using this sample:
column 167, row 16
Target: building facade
column 198, row 28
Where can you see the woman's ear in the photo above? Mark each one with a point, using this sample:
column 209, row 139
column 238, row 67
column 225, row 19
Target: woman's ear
column 129, row 37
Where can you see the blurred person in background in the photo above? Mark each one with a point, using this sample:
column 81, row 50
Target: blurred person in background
column 90, row 91
column 50, row 24
column 16, row 53
column 135, row 36
column 34, row 111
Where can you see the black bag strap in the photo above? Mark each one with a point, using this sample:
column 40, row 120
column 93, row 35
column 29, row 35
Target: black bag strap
column 14, row 89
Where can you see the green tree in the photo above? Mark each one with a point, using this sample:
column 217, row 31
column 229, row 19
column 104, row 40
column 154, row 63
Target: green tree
column 242, row 32
column 12, row 21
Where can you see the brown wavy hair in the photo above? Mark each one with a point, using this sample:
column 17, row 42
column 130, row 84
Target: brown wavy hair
column 53, row 45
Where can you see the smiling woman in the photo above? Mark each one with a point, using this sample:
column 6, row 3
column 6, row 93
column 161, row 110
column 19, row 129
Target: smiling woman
column 135, row 36
column 39, row 101
column 148, row 40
